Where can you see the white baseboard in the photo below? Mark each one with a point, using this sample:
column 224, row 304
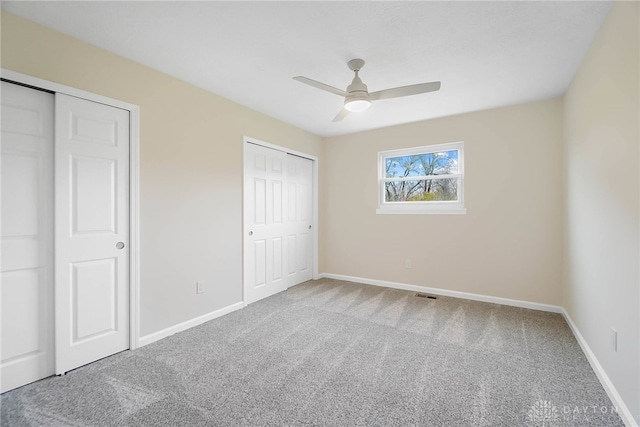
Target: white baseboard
column 613, row 394
column 148, row 339
column 447, row 293
column 608, row 386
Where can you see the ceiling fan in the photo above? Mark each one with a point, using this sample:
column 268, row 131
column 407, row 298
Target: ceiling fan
column 357, row 97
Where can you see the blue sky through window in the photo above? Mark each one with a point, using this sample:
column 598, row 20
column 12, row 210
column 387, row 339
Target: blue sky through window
column 437, row 163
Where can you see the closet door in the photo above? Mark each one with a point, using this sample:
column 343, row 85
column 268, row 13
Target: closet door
column 278, row 207
column 265, row 201
column 26, row 232
column 92, row 231
column 299, row 219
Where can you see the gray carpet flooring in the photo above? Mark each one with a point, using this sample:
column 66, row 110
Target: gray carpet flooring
column 332, row 353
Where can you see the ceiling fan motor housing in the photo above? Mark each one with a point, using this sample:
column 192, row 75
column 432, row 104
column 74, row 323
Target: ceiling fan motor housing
column 358, row 95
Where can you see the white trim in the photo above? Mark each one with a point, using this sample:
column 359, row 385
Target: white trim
column 180, row 327
column 422, row 178
column 134, row 228
column 446, row 146
column 408, row 211
column 279, row 148
column 608, row 386
column 315, row 221
column 134, row 183
column 447, row 293
column 67, row 90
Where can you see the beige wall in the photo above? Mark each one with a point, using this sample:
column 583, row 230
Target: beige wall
column 509, row 244
column 602, row 120
column 190, row 167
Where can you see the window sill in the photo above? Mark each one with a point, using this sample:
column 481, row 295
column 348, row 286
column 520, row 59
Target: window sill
column 405, row 211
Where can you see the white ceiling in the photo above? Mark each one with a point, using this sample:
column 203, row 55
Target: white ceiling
column 486, row 54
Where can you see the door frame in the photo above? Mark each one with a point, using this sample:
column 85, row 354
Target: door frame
column 134, row 183
column 314, row 209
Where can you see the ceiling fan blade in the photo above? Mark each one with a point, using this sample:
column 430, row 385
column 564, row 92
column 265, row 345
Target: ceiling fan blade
column 397, row 92
column 319, row 85
column 341, row 115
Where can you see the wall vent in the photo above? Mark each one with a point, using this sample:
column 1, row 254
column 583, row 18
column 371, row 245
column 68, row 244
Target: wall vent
column 421, row 295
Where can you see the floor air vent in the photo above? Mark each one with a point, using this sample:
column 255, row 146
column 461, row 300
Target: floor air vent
column 421, row 295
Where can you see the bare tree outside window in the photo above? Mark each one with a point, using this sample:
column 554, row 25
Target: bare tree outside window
column 422, row 177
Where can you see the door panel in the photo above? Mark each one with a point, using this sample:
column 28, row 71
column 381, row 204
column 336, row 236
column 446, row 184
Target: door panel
column 27, row 236
column 93, row 129
column 292, row 202
column 291, row 253
column 300, row 242
column 260, row 201
column 94, row 298
column 94, row 198
column 260, row 259
column 264, row 201
column 22, row 193
column 21, row 296
column 277, row 258
column 304, row 257
column 92, row 221
column 277, row 201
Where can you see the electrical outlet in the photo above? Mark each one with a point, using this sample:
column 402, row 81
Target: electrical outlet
column 407, row 263
column 614, row 339
column 199, row 287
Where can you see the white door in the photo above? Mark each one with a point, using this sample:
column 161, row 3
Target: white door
column 264, row 231
column 277, row 221
column 27, row 236
column 299, row 218
column 92, row 231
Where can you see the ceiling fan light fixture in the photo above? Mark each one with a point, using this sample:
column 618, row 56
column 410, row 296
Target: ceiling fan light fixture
column 357, row 103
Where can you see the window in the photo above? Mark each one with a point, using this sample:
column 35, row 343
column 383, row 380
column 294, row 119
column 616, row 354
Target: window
column 426, row 179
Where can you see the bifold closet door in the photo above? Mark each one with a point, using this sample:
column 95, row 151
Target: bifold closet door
column 92, row 231
column 27, row 236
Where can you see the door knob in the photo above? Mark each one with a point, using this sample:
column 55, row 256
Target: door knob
column 120, row 245
column 309, row 227
column 251, row 233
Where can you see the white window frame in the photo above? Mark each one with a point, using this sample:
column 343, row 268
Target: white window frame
column 440, row 207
